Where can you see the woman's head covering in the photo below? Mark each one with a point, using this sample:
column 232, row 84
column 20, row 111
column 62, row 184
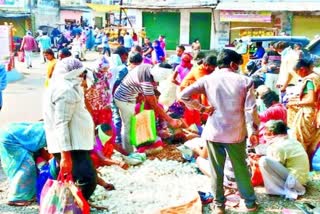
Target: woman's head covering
column 159, row 51
column 102, row 133
column 68, row 65
column 186, row 59
column 103, row 63
column 115, row 60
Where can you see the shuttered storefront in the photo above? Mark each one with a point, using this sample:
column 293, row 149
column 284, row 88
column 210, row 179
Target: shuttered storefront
column 163, row 23
column 200, row 28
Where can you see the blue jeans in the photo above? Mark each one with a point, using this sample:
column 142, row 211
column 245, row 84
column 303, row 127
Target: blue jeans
column 116, row 121
column 106, row 49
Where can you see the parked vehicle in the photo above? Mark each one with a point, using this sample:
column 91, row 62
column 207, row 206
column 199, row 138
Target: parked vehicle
column 249, row 41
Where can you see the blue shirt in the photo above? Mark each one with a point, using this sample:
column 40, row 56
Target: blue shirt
column 259, row 53
column 174, row 59
column 105, row 42
column 44, row 42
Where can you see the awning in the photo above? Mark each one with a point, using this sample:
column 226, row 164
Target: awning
column 104, row 8
column 14, row 15
column 269, row 6
column 72, row 8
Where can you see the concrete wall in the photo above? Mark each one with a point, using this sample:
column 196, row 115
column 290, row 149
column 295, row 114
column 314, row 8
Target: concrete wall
column 184, row 26
column 46, row 16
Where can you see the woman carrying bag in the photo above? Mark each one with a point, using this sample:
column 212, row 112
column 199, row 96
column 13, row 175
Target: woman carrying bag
column 69, row 126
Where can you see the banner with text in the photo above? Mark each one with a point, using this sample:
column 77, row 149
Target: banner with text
column 245, row 16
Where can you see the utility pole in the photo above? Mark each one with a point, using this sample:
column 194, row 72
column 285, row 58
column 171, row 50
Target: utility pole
column 121, row 2
column 120, row 18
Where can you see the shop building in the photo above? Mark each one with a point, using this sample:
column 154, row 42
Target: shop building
column 181, row 22
column 292, row 18
column 17, row 13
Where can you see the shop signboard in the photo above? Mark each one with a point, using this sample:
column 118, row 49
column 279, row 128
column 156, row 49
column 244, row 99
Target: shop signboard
column 71, row 3
column 224, row 33
column 245, row 16
column 12, row 3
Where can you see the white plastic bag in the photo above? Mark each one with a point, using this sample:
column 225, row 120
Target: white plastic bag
column 168, row 92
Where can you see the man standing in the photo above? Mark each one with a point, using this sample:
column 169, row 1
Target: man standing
column 271, row 62
column 54, row 36
column 28, row 45
column 128, row 42
column 119, row 70
column 232, row 107
column 44, row 44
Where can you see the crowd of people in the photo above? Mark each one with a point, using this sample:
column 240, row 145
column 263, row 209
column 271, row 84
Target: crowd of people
column 206, row 104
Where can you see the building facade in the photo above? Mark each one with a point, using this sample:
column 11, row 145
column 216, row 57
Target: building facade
column 180, row 22
column 292, row 18
column 18, row 13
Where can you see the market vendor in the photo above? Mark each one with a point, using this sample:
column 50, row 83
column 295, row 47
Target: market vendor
column 285, row 168
column 137, row 81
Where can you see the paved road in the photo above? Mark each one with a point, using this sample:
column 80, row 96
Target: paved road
column 22, row 100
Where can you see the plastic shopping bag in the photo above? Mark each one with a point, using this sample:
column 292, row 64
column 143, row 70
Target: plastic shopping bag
column 21, row 56
column 59, row 197
column 143, row 127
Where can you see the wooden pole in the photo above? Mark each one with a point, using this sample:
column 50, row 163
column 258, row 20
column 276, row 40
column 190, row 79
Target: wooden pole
column 120, row 18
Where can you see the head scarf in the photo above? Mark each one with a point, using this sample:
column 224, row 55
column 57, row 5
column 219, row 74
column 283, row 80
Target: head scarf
column 68, row 67
column 186, row 60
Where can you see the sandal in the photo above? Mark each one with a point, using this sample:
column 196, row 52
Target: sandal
column 229, row 191
column 98, row 207
column 109, row 187
column 206, row 197
column 20, row 203
column 233, row 200
column 254, row 208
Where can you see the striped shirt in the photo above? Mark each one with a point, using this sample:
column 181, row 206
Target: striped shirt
column 138, row 81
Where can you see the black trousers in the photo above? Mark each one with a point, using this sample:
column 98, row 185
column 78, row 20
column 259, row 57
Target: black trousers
column 83, row 171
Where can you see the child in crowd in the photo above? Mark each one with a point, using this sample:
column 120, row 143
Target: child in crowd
column 103, row 150
column 182, row 69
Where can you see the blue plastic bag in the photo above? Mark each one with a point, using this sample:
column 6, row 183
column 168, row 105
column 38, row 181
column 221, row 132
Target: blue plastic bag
column 47, row 171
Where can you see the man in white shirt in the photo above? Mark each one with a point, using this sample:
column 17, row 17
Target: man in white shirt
column 128, row 42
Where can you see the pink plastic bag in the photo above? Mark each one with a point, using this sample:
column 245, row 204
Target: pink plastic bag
column 21, row 56
column 62, row 197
